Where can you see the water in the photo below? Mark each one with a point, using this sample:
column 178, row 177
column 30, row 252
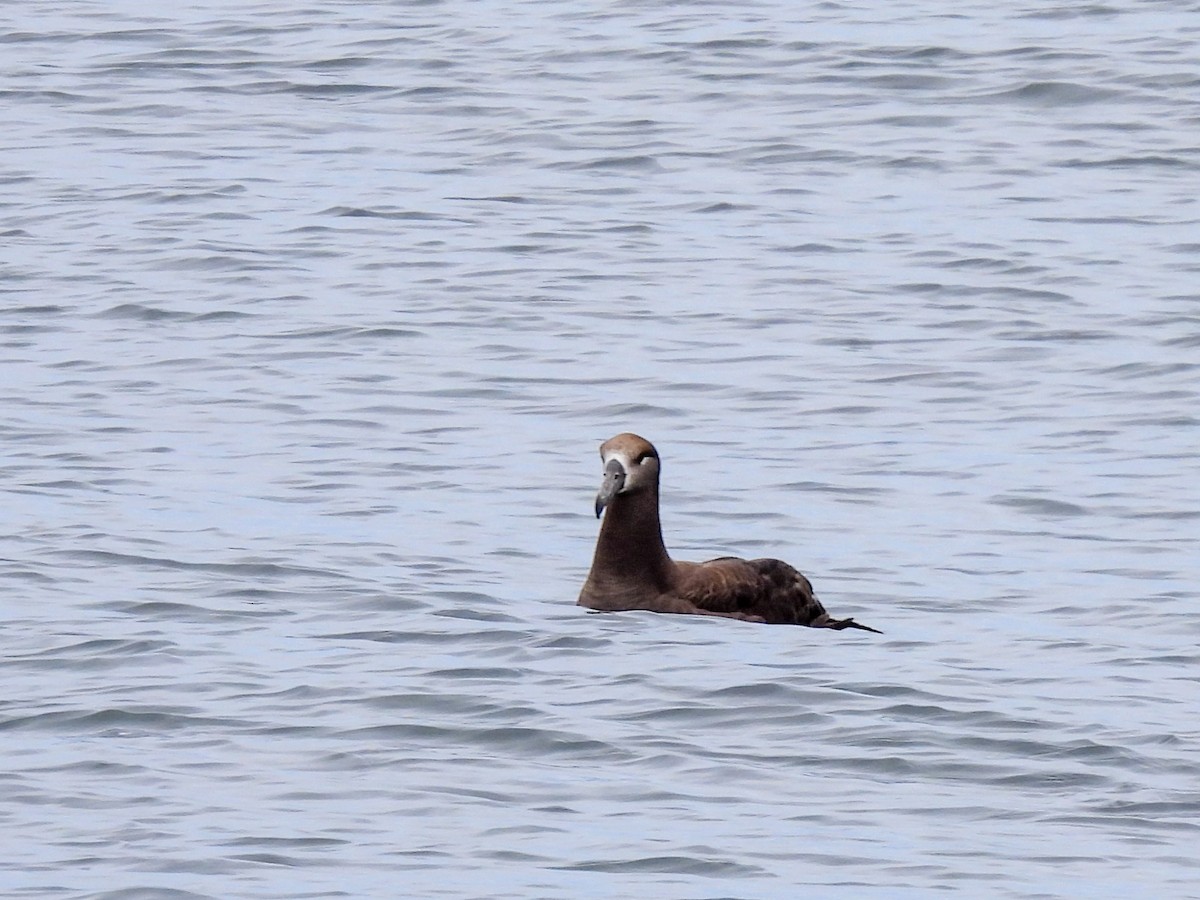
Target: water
column 314, row 319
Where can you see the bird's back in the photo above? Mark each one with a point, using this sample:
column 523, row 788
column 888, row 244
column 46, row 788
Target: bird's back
column 765, row 589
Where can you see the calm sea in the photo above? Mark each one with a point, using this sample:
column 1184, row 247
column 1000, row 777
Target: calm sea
column 313, row 317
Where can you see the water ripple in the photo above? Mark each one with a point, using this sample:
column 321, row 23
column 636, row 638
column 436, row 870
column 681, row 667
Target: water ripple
column 314, row 319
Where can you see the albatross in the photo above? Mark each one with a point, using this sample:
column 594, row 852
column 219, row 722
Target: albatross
column 632, row 570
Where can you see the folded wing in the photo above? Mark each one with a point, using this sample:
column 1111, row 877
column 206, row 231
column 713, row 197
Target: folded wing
column 769, row 590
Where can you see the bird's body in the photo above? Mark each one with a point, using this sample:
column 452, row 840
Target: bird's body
column 632, row 570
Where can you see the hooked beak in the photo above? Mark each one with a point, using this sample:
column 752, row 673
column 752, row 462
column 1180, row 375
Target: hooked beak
column 614, row 480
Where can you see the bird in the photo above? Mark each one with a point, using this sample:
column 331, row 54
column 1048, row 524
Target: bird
column 631, row 569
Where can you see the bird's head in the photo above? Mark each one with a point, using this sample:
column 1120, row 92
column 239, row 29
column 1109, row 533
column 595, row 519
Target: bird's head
column 630, row 465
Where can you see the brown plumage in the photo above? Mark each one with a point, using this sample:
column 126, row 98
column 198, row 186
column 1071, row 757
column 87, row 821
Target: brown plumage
column 632, row 570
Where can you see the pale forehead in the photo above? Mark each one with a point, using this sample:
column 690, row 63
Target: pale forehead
column 631, row 446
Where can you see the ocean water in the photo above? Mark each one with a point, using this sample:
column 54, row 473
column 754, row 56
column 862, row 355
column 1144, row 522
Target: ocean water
column 313, row 319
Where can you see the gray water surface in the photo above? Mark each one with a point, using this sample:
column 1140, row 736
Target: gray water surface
column 313, row 320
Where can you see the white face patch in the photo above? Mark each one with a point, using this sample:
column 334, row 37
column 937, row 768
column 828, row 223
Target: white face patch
column 637, row 473
column 619, row 455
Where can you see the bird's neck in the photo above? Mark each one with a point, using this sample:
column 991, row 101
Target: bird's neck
column 631, row 543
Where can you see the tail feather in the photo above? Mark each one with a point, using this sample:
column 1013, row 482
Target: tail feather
column 841, row 624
